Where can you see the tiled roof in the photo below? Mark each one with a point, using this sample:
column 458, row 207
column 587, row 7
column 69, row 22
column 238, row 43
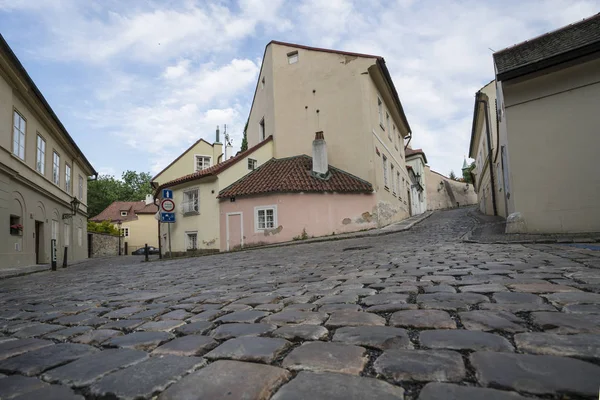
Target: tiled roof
column 411, row 152
column 292, row 175
column 215, row 169
column 549, row 49
column 113, row 212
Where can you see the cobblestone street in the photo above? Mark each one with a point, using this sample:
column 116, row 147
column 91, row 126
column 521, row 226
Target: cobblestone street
column 413, row 315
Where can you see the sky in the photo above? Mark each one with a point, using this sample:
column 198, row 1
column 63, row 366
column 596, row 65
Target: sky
column 137, row 82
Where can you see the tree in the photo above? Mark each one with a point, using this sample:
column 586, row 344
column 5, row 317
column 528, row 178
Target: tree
column 467, row 174
column 244, row 146
column 102, row 227
column 452, row 175
column 105, row 190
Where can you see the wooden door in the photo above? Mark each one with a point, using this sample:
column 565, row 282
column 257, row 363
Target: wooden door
column 235, row 234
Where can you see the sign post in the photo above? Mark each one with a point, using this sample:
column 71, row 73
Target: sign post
column 167, row 213
column 53, row 253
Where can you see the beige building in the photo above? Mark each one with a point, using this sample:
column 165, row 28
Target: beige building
column 416, row 161
column 548, row 92
column 352, row 99
column 43, row 175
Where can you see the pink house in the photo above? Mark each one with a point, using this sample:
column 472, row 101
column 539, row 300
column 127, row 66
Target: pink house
column 292, row 198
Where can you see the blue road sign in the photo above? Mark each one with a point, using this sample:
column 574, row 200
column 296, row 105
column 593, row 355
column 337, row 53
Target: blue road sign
column 167, row 194
column 167, row 217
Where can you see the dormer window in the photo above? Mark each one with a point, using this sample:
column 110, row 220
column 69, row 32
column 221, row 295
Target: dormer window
column 202, row 162
column 292, row 57
column 123, row 213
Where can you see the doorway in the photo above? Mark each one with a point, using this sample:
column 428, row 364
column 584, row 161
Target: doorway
column 410, row 212
column 235, row 231
column 39, row 231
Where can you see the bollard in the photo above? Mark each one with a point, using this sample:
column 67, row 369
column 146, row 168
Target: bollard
column 65, row 258
column 146, row 251
column 53, row 254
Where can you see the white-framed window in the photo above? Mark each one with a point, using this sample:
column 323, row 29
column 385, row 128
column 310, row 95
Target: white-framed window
column 125, row 231
column 123, row 213
column 385, row 171
column 265, row 218
column 68, row 178
column 56, row 168
column 396, row 136
column 201, row 162
column 393, row 181
column 398, row 183
column 252, row 163
column 55, row 228
column 40, row 159
column 80, row 191
column 191, row 204
column 67, row 231
column 380, row 111
column 19, row 128
column 191, row 240
column 387, row 126
column 80, row 236
column 261, row 129
column 292, row 57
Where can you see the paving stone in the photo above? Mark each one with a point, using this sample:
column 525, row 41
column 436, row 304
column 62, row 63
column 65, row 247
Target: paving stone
column 67, row 333
column 191, row 345
column 37, row 330
column 449, row 391
column 228, row 331
column 38, row 361
column 233, row 380
column 439, row 289
column 486, row 288
column 465, row 298
column 464, row 340
column 248, row 316
column 492, row 321
column 236, row 307
column 515, row 308
column 146, row 378
column 140, row 340
column 327, row 357
column 563, row 323
column 330, row 308
column 542, row 288
column 582, row 345
column 176, row 314
column 123, row 312
column 74, row 320
column 52, row 392
column 259, row 299
column 296, row 317
column 438, row 278
column 517, row 298
column 299, row 307
column 123, row 324
column 386, row 298
column 421, row 365
column 272, row 307
column 97, row 336
column 564, row 299
column 87, row 369
column 160, row 326
column 149, row 314
column 536, row 374
column 330, row 386
column 582, row 309
column 401, row 289
column 423, row 319
column 387, row 308
column 195, row 328
column 247, row 348
column 15, row 347
column 208, row 315
column 380, row 337
column 16, row 385
column 348, row 298
column 353, row 318
column 301, row 332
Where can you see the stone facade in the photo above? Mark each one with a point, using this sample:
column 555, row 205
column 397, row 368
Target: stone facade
column 443, row 192
column 103, row 245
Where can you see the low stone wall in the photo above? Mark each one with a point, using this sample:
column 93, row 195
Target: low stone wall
column 103, row 244
column 443, row 192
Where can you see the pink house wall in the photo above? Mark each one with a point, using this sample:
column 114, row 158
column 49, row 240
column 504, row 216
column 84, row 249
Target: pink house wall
column 319, row 213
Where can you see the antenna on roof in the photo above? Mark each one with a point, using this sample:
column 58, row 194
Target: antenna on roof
column 493, row 51
column 228, row 142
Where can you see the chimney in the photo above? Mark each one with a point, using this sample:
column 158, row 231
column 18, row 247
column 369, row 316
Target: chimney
column 218, row 138
column 320, row 164
column 149, row 199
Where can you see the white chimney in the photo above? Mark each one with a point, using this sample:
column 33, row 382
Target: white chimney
column 320, row 164
column 149, row 199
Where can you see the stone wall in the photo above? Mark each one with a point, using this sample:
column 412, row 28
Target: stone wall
column 443, row 192
column 104, row 245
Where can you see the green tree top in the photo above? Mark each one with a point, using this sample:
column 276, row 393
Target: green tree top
column 105, row 190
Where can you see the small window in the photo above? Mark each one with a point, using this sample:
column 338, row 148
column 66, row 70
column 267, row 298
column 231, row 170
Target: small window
column 40, row 162
column 80, row 236
column 67, row 231
column 125, row 232
column 190, row 202
column 80, row 191
column 192, row 241
column 292, row 57
column 252, row 164
column 15, row 225
column 387, row 125
column 385, row 172
column 123, row 213
column 19, row 128
column 56, row 168
column 68, row 178
column 380, row 112
column 55, row 228
column 261, row 129
column 396, row 136
column 399, row 187
column 202, row 162
column 265, row 218
column 393, row 181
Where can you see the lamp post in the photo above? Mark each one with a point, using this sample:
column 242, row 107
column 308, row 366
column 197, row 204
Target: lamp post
column 119, row 227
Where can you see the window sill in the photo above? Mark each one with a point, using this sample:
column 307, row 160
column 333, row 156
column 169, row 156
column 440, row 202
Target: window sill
column 394, row 194
column 381, row 126
column 386, row 188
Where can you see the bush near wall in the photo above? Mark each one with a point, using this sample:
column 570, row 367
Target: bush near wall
column 102, row 227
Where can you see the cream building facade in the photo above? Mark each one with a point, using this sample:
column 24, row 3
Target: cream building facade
column 417, row 161
column 352, row 99
column 43, row 175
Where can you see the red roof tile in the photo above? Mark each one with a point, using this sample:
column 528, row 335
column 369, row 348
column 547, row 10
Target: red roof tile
column 292, row 175
column 215, row 169
column 113, row 212
column 411, row 152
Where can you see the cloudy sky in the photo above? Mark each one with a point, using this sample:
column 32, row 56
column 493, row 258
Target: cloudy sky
column 136, row 82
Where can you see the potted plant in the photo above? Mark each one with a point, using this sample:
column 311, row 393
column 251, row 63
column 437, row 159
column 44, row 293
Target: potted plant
column 16, row 229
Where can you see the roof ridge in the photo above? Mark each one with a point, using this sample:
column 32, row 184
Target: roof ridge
column 322, row 49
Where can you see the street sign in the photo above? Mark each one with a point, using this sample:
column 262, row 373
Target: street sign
column 167, row 194
column 167, row 217
column 167, row 205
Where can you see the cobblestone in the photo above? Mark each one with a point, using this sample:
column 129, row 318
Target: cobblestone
column 348, row 319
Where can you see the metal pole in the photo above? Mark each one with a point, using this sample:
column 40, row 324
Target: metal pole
column 169, row 232
column 53, row 253
column 65, row 259
column 119, row 241
column 146, row 251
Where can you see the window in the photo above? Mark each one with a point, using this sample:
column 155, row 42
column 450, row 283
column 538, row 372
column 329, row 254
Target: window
column 19, row 136
column 79, row 236
column 385, row 172
column 190, row 202
column 15, row 225
column 393, row 181
column 265, row 218
column 40, row 162
column 123, row 213
column 387, row 125
column 292, row 57
column 56, row 168
column 398, row 183
column 80, row 193
column 55, row 230
column 202, row 162
column 261, row 128
column 397, row 136
column 66, row 234
column 380, row 111
column 252, row 164
column 68, row 178
column 192, row 240
column 125, row 231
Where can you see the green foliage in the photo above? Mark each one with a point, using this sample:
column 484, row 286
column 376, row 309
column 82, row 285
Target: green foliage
column 467, row 174
column 102, row 192
column 245, row 139
column 302, row 236
column 102, row 227
column 452, row 175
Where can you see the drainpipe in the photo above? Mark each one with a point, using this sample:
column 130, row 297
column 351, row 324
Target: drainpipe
column 479, row 99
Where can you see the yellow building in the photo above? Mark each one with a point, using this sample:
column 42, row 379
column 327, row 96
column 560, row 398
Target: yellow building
column 43, row 175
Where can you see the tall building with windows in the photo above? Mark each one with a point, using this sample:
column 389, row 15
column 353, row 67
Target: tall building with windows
column 43, row 175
